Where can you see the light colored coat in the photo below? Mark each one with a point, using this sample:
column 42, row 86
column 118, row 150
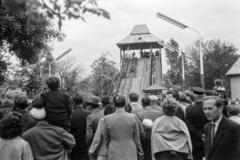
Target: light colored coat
column 121, row 135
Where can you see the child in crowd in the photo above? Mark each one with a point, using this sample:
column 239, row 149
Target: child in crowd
column 57, row 104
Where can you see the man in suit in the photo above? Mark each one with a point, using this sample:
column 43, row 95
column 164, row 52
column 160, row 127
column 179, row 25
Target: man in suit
column 93, row 119
column 195, row 121
column 121, row 133
column 78, row 129
column 148, row 114
column 222, row 135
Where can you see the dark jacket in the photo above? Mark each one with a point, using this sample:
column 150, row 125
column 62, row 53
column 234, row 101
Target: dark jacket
column 28, row 120
column 226, row 143
column 58, row 108
column 78, row 130
column 195, row 121
column 92, row 123
column 49, row 142
column 79, row 121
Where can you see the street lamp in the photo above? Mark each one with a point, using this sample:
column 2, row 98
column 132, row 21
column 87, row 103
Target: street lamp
column 58, row 58
column 183, row 26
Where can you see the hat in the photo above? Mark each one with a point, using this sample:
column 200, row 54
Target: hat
column 94, row 101
column 147, row 123
column 38, row 113
column 198, row 90
column 153, row 98
column 106, row 99
column 183, row 97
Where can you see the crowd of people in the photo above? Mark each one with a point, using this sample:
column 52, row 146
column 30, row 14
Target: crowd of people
column 56, row 126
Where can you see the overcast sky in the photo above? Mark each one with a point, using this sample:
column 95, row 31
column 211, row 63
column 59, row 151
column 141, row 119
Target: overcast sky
column 212, row 18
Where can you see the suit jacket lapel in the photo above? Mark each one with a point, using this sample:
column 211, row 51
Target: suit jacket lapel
column 218, row 135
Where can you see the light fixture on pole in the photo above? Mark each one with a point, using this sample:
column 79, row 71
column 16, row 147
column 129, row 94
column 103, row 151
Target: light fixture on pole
column 58, row 58
column 183, row 26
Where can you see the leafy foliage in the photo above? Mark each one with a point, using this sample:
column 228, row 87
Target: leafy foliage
column 25, row 43
column 218, row 58
column 70, row 72
column 102, row 75
column 173, row 75
column 54, row 8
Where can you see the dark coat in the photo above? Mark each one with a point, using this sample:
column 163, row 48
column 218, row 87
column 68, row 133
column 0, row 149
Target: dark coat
column 28, row 120
column 58, row 106
column 78, row 130
column 92, row 124
column 226, row 143
column 79, row 122
column 195, row 121
column 48, row 141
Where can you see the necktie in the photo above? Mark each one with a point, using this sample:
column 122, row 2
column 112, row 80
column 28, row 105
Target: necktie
column 212, row 134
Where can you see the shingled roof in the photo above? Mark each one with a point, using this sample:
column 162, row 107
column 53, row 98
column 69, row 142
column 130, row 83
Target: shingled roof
column 154, row 87
column 235, row 70
column 140, row 35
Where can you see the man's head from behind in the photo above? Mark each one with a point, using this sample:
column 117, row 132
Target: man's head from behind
column 212, row 107
column 153, row 99
column 133, row 97
column 53, row 83
column 145, row 102
column 21, row 103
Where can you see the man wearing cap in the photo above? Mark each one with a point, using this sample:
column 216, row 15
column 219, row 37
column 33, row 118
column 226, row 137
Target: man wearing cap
column 47, row 141
column 93, row 119
column 195, row 121
column 153, row 103
column 133, row 97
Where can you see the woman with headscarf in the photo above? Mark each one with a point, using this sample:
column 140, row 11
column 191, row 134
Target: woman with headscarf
column 170, row 136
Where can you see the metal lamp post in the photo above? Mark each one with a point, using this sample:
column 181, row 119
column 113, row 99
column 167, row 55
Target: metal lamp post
column 183, row 26
column 58, row 58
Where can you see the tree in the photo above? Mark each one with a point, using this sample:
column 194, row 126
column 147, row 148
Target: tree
column 173, row 75
column 103, row 70
column 54, row 8
column 25, row 43
column 218, row 57
column 70, row 72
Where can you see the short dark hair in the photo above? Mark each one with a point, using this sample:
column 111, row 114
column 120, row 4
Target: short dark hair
column 21, row 102
column 218, row 100
column 78, row 99
column 133, row 97
column 145, row 101
column 174, row 94
column 53, row 83
column 11, row 126
column 119, row 101
column 225, row 102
